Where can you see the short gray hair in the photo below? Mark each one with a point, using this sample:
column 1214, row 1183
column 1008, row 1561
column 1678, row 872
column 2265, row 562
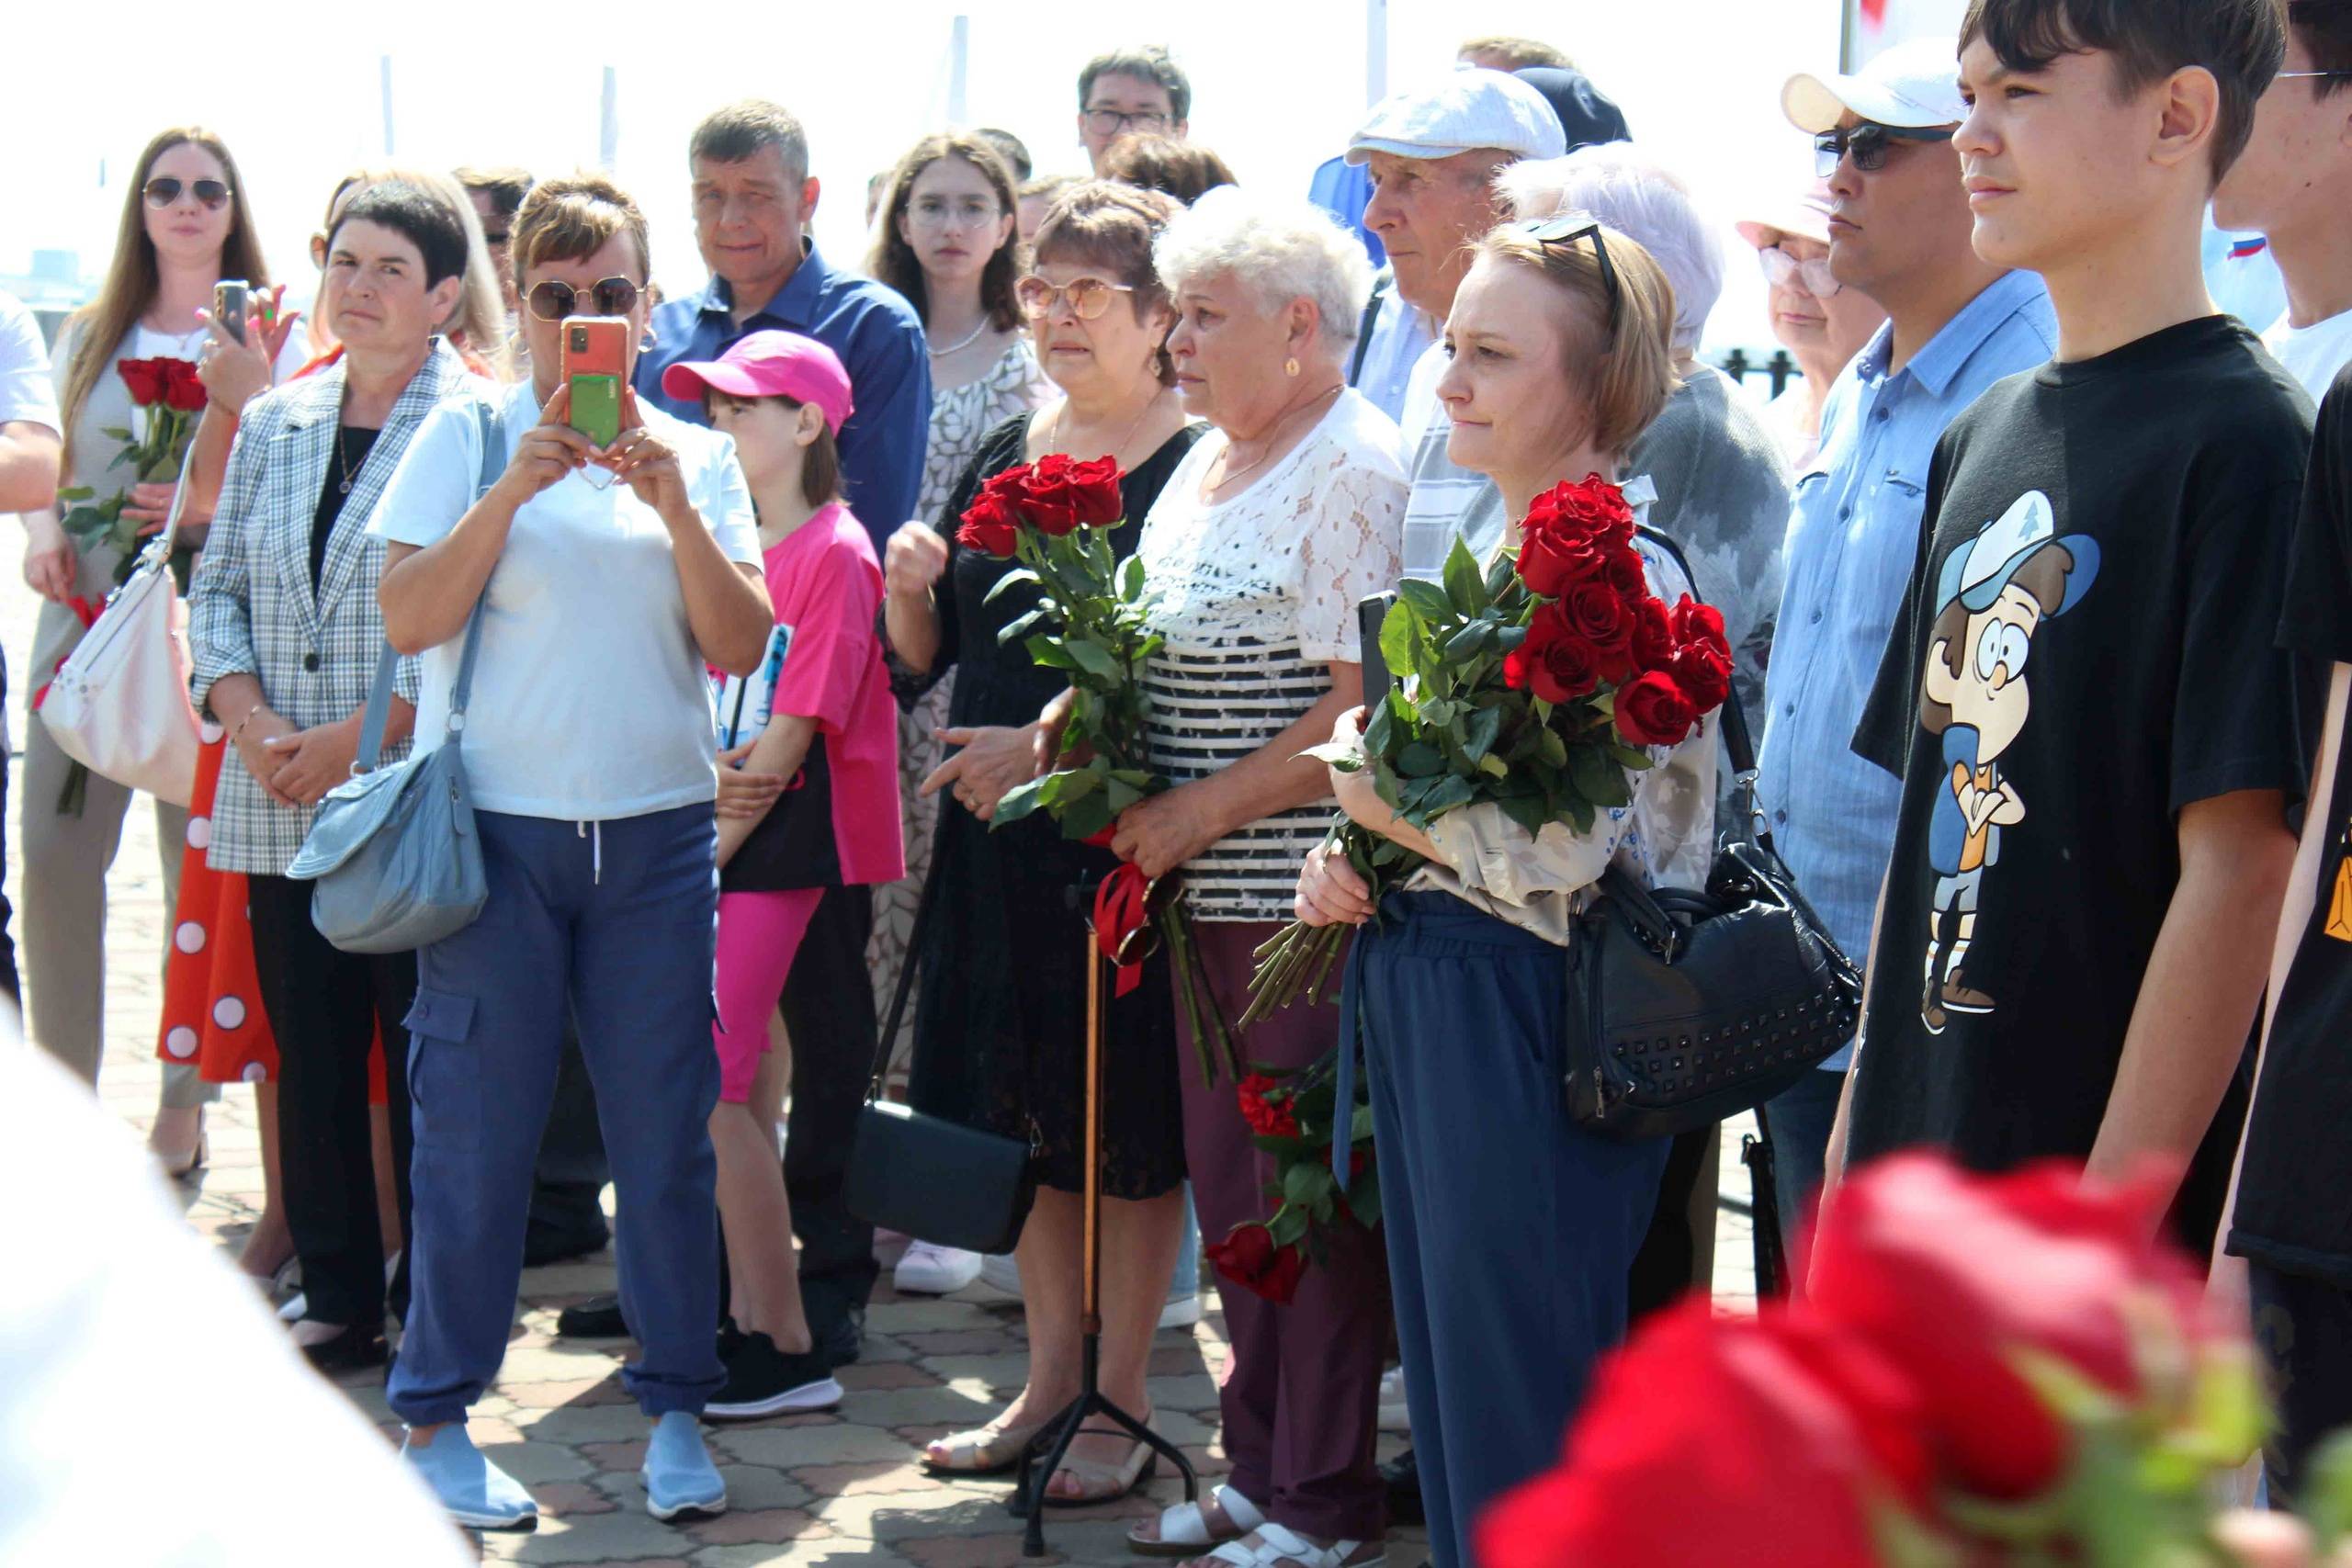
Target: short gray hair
column 1283, row 248
column 743, row 129
column 1640, row 199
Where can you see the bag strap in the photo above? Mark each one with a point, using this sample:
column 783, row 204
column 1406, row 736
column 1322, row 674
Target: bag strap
column 906, row 984
column 379, row 712
column 1738, row 742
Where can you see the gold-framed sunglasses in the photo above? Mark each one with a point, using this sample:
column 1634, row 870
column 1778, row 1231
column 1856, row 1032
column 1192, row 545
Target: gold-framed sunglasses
column 551, row 299
column 1087, row 297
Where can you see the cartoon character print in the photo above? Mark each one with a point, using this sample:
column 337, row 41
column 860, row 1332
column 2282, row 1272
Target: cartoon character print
column 1993, row 596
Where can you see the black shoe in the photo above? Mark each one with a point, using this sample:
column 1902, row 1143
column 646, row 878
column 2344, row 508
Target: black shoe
column 763, row 1381
column 730, row 1339
column 545, row 1242
column 359, row 1345
column 836, row 1323
column 598, row 1317
column 1402, row 1477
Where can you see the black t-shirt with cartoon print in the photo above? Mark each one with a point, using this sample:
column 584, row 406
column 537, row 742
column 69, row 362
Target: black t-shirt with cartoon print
column 2086, row 648
column 2294, row 1209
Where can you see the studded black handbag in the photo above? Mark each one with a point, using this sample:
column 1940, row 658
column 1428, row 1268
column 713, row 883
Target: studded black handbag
column 1687, row 1005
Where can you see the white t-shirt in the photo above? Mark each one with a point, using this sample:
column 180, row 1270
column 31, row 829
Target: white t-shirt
column 2313, row 355
column 27, row 393
column 589, row 699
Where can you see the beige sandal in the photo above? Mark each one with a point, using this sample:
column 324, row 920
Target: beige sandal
column 985, row 1450
column 1098, row 1482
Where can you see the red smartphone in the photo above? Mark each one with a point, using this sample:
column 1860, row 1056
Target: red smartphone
column 596, row 348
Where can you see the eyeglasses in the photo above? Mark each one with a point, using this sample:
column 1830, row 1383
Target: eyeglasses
column 1087, row 297
column 930, row 213
column 1782, row 269
column 1868, row 144
column 1115, row 122
column 2309, row 75
column 165, row 189
column 496, row 236
column 552, row 301
column 1567, row 230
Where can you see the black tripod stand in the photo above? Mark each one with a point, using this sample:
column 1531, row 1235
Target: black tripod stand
column 1028, row 1493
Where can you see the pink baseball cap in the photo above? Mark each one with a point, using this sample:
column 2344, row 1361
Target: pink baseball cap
column 769, row 365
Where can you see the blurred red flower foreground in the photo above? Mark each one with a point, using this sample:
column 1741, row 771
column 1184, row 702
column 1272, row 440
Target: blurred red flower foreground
column 1987, row 1367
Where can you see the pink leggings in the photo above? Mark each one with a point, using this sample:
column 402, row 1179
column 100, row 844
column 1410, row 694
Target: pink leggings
column 758, row 935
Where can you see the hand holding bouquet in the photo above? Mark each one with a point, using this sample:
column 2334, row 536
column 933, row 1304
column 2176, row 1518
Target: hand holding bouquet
column 170, row 397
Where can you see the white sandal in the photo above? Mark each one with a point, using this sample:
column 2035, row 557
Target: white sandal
column 1184, row 1529
column 1278, row 1546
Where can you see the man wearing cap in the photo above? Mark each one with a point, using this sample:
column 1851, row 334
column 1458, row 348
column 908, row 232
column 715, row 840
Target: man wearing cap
column 1898, row 229
column 1433, row 155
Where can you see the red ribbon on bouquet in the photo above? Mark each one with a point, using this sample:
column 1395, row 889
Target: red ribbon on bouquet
column 1119, row 912
column 88, row 615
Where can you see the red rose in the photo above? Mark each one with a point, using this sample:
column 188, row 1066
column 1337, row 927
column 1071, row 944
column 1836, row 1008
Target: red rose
column 1626, row 573
column 1249, row 1259
column 1652, row 711
column 1601, row 616
column 1703, row 674
column 1552, row 559
column 1592, row 506
column 1553, row 662
column 1952, row 1276
column 1268, row 1119
column 1057, row 495
column 1759, row 1441
column 1694, row 622
column 1094, row 485
column 182, row 388
column 145, row 378
column 990, row 526
column 1653, row 633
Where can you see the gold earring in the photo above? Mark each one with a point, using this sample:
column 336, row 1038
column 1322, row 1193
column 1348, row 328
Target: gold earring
column 1290, row 366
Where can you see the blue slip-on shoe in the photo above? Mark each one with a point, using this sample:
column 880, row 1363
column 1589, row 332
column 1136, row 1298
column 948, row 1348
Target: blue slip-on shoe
column 475, row 1491
column 679, row 1477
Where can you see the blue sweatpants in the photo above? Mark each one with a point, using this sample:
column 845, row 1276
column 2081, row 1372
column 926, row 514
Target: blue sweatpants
column 1509, row 1229
column 616, row 919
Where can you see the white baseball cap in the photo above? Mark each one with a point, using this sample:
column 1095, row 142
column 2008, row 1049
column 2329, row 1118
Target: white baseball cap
column 1469, row 110
column 1914, row 85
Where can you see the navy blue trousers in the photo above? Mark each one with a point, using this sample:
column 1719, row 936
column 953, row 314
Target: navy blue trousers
column 617, row 920
column 1510, row 1229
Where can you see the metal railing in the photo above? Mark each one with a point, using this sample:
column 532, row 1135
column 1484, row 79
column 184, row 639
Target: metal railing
column 1779, row 367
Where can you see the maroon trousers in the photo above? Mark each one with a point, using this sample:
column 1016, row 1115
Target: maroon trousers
column 1301, row 1395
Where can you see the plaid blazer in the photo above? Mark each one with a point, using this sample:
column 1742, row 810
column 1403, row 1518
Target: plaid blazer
column 252, row 609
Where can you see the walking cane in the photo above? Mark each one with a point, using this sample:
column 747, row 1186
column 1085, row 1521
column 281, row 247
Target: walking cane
column 1027, row 1493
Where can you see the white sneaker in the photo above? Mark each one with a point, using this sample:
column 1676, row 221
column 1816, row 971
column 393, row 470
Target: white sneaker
column 929, row 1270
column 1001, row 1271
column 1181, row 1312
column 1392, row 1402
column 295, row 1305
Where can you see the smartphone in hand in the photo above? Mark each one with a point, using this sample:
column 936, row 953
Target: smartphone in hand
column 229, row 300
column 596, row 348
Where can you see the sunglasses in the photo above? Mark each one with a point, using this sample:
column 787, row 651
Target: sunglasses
column 1868, row 144
column 1782, row 269
column 1087, row 297
column 551, row 301
column 165, row 189
column 1565, row 230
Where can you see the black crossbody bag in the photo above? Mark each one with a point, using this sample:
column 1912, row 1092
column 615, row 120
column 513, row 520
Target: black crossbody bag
column 927, row 1177
column 1686, row 1006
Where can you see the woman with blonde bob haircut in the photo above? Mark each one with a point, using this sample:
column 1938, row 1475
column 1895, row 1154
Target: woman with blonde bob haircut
column 1509, row 1227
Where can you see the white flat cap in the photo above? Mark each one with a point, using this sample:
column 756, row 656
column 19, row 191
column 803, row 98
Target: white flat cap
column 1469, row 110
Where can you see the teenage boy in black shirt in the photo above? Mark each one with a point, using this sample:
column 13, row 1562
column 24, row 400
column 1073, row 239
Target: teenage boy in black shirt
column 2293, row 1219
column 2098, row 743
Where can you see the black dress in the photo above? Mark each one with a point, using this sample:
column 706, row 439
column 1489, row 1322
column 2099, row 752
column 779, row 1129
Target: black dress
column 1000, row 1004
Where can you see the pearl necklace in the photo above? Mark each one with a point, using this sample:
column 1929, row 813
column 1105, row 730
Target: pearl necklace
column 968, row 342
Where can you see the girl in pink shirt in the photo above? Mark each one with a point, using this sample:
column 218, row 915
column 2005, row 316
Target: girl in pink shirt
column 817, row 714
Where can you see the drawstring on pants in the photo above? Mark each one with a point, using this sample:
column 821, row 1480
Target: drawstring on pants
column 594, row 832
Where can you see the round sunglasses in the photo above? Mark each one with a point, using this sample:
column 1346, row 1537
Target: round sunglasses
column 165, row 189
column 1087, row 297
column 552, row 301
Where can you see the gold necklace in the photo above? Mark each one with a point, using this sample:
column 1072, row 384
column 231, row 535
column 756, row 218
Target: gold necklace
column 1272, row 441
column 1061, row 418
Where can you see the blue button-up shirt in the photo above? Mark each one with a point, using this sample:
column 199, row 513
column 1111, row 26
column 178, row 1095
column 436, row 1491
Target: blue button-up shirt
column 1851, row 542
column 880, row 341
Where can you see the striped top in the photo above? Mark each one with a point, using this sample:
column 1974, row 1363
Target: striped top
column 1256, row 595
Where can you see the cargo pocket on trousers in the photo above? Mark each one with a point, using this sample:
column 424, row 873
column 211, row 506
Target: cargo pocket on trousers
column 444, row 1070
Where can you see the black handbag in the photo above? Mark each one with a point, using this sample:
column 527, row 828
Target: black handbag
column 1688, row 1006
column 925, row 1175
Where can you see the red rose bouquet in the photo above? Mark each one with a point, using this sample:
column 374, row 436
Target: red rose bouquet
column 169, row 397
column 1987, row 1369
column 1292, row 1116
column 1539, row 685
column 1055, row 516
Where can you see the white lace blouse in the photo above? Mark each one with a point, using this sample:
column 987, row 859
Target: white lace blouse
column 1255, row 596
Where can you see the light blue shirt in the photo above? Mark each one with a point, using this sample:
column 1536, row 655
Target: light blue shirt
column 1400, row 335
column 1853, row 536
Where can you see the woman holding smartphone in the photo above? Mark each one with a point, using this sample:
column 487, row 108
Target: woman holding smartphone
column 610, row 576
column 186, row 224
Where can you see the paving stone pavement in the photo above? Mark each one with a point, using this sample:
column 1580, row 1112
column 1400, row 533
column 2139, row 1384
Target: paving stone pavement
column 837, row 1488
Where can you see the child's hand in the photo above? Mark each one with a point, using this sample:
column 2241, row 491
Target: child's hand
column 742, row 793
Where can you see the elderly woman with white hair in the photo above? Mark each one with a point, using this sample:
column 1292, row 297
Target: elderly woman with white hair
column 1278, row 520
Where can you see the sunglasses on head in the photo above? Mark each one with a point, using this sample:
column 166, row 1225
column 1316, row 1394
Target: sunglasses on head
column 1868, row 144
column 165, row 189
column 1565, row 230
column 1087, row 297
column 552, row 301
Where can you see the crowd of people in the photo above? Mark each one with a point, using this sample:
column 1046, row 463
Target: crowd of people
column 717, row 850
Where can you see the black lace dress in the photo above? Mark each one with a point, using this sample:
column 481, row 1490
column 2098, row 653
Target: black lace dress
column 1001, row 1003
